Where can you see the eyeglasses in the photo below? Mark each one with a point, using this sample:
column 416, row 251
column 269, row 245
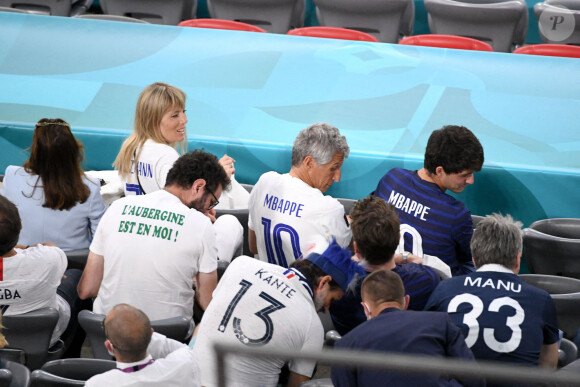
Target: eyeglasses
column 215, row 203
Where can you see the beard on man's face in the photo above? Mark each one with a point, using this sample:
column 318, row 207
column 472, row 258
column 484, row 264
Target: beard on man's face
column 199, row 204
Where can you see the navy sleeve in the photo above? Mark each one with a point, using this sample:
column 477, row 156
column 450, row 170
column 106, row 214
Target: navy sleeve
column 343, row 377
column 455, row 347
column 551, row 327
column 462, row 236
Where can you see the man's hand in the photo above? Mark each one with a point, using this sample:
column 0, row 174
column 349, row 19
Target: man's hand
column 228, row 164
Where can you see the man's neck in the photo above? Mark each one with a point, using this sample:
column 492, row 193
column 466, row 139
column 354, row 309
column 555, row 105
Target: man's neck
column 300, row 173
column 390, row 265
column 178, row 192
column 387, row 305
column 430, row 177
column 9, row 254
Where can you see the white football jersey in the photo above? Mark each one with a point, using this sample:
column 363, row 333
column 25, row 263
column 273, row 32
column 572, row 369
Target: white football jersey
column 291, row 218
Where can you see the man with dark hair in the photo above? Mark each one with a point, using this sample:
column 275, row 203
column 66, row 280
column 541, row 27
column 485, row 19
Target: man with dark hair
column 502, row 317
column 375, row 233
column 289, row 213
column 393, row 329
column 285, row 302
column 34, row 277
column 434, row 223
column 149, row 249
column 144, row 358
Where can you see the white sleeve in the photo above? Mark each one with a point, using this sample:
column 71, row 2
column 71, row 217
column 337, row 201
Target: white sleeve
column 314, row 340
column 99, row 242
column 208, row 258
column 252, row 204
column 161, row 346
column 163, row 165
column 96, row 205
column 337, row 225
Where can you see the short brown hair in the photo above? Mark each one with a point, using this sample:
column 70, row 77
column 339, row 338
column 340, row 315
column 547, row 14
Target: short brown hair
column 375, row 229
column 383, row 286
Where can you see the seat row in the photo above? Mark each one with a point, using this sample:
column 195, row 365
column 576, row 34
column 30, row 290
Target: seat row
column 501, row 23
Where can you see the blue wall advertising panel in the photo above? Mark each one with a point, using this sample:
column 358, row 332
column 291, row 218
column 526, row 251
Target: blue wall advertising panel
column 249, row 94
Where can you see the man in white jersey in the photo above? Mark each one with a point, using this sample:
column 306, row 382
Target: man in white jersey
column 144, row 358
column 257, row 303
column 289, row 213
column 35, row 277
column 149, row 249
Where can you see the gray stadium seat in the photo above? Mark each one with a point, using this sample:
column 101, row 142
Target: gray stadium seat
column 31, row 332
column 276, row 16
column 561, row 22
column 552, row 284
column 476, row 219
column 175, row 328
column 325, row 382
column 552, row 246
column 502, row 24
column 50, row 7
column 567, row 353
column 13, row 10
column 242, row 215
column 348, row 204
column 13, row 374
column 77, row 259
column 112, row 18
column 78, row 369
column 388, row 21
column 169, row 12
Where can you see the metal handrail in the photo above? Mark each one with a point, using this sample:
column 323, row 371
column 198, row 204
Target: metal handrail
column 491, row 371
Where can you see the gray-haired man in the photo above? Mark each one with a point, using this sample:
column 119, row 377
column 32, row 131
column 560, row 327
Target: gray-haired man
column 289, row 214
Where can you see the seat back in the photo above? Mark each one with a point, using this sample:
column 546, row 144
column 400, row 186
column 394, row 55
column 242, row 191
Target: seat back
column 40, row 378
column 242, row 215
column 559, row 21
column 560, row 227
column 547, row 254
column 550, row 50
column 271, row 15
column 5, row 377
column 333, row 33
column 388, row 21
column 567, row 353
column 325, row 382
column 220, row 24
column 169, row 12
column 553, row 284
column 15, row 374
column 109, row 18
column 31, row 332
column 501, row 24
column 45, row 7
column 77, row 259
column 78, row 369
column 13, row 10
column 92, row 323
column 175, row 328
column 568, row 313
column 447, row 41
column 348, row 204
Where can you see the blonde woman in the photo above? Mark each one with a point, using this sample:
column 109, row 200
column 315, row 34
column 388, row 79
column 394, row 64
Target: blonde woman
column 148, row 154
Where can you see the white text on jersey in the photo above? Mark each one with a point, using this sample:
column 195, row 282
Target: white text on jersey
column 498, row 284
column 408, row 205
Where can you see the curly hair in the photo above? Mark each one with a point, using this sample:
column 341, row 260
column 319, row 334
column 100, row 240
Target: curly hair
column 194, row 165
column 455, row 148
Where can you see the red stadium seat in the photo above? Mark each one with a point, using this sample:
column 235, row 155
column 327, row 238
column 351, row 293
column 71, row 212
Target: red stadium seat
column 333, row 33
column 446, row 41
column 220, row 24
column 550, row 50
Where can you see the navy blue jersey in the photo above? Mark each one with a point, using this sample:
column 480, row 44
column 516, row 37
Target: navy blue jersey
column 419, row 282
column 432, row 222
column 502, row 317
column 408, row 332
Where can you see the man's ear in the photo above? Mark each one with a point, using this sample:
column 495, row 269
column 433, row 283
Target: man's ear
column 407, row 300
column 439, row 171
column 197, row 185
column 309, row 162
column 322, row 281
column 518, row 263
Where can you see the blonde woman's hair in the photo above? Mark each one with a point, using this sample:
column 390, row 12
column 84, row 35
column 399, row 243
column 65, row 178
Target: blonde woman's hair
column 3, row 341
column 153, row 103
